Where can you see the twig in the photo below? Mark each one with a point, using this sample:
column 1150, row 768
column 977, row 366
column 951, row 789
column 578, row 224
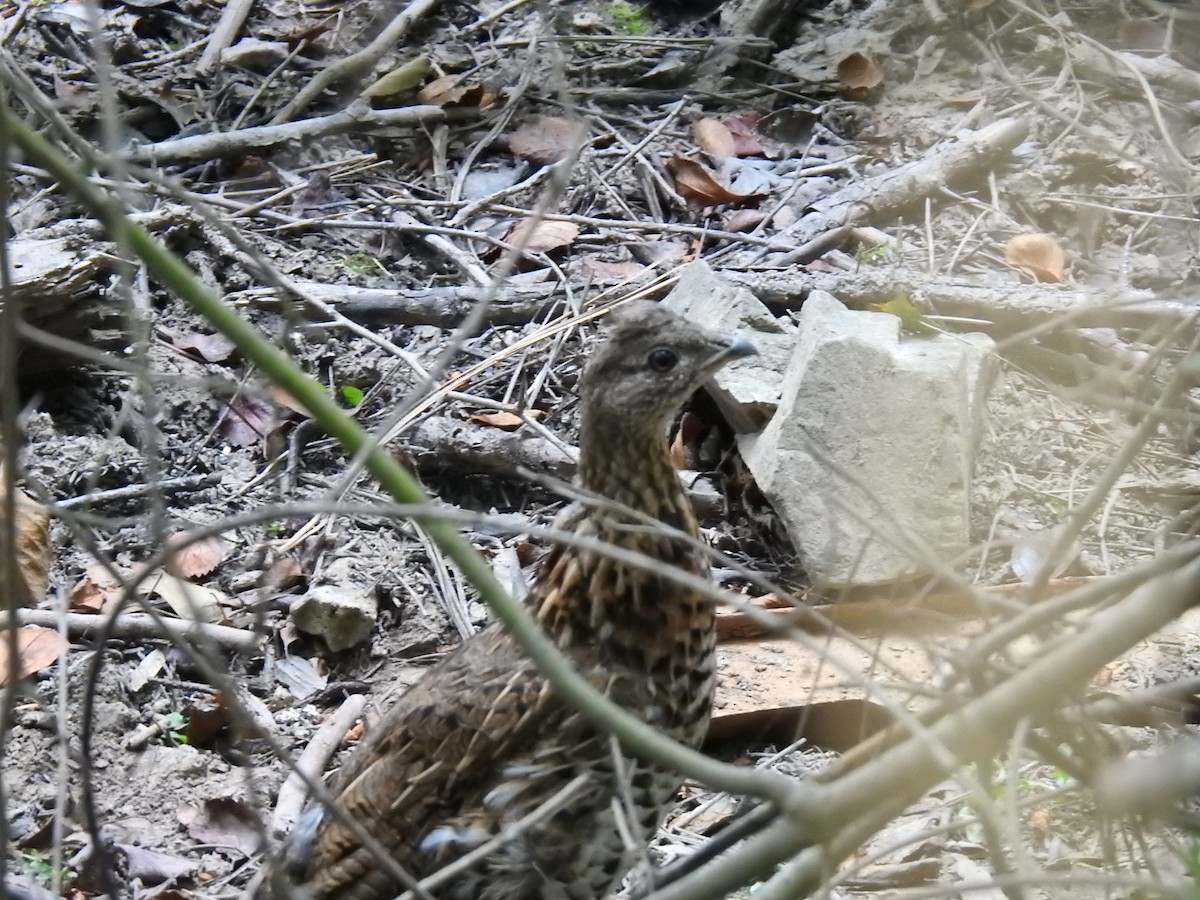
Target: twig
column 354, row 68
column 232, row 19
column 135, row 626
column 130, row 491
column 312, row 762
column 356, row 117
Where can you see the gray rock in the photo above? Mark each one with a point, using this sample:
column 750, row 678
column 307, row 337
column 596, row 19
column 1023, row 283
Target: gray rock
column 868, row 459
column 747, row 390
column 342, row 612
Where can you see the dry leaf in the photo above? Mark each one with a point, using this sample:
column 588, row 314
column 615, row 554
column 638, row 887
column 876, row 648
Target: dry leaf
column 547, row 139
column 32, row 537
column 1038, row 254
column 248, row 421
column 605, row 270
column 287, row 401
column 400, row 80
column 283, row 574
column 37, row 647
column 543, row 236
column 714, row 138
column 456, row 90
column 188, row 601
column 195, row 559
column 859, row 74
column 698, row 184
column 743, row 219
column 211, row 347
column 152, row 663
column 222, row 822
column 747, row 141
column 94, row 589
column 502, row 419
column 153, row 866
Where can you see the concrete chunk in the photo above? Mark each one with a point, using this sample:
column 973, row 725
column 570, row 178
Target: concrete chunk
column 868, row 458
column 747, row 390
column 341, row 611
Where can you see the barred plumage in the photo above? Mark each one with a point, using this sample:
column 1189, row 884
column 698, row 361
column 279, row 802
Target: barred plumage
column 481, row 740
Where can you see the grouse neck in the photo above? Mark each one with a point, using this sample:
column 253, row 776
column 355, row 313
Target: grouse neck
column 630, row 464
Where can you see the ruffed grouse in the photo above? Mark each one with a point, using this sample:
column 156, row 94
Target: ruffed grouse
column 482, row 740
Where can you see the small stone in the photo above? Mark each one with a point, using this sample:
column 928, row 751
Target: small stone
column 343, row 615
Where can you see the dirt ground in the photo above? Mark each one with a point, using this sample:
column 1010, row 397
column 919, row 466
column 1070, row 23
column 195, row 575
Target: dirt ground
column 147, row 425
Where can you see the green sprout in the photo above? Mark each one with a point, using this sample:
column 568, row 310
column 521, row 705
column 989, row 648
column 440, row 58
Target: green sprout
column 628, row 18
column 362, row 263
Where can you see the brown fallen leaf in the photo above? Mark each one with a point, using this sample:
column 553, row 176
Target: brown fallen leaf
column 747, row 140
column 714, row 138
column 194, row 559
column 32, row 539
column 94, row 589
column 603, row 269
column 187, row 600
column 547, row 139
column 698, row 184
column 248, row 421
column 456, row 90
column 543, row 236
column 1038, row 254
column 502, row 419
column 37, row 647
column 223, row 822
column 210, row 347
column 743, row 219
column 858, row 75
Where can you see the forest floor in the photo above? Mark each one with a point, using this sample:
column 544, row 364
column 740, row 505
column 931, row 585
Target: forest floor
column 554, row 159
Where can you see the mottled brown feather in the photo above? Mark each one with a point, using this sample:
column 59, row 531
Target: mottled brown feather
column 481, row 740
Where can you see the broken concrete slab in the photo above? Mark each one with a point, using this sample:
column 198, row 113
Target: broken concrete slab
column 341, row 611
column 868, row 458
column 746, row 390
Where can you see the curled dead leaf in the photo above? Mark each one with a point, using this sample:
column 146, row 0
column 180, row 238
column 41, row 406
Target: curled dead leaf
column 502, row 419
column 747, row 139
column 743, row 219
column 399, row 81
column 542, row 236
column 37, row 647
column 698, row 184
column 858, row 75
column 94, row 589
column 248, row 420
column 714, row 137
column 1038, row 254
column 456, row 90
column 187, row 600
column 547, row 139
column 194, row 559
column 210, row 347
column 32, row 539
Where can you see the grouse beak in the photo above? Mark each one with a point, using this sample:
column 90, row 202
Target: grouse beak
column 732, row 347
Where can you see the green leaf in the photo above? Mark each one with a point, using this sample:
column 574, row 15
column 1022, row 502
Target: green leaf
column 352, row 395
column 911, row 318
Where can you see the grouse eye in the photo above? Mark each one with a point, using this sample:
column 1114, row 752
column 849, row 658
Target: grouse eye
column 662, row 359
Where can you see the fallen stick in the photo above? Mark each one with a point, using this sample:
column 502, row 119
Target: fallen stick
column 1011, row 307
column 312, row 763
column 356, row 117
column 134, row 626
column 350, row 72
